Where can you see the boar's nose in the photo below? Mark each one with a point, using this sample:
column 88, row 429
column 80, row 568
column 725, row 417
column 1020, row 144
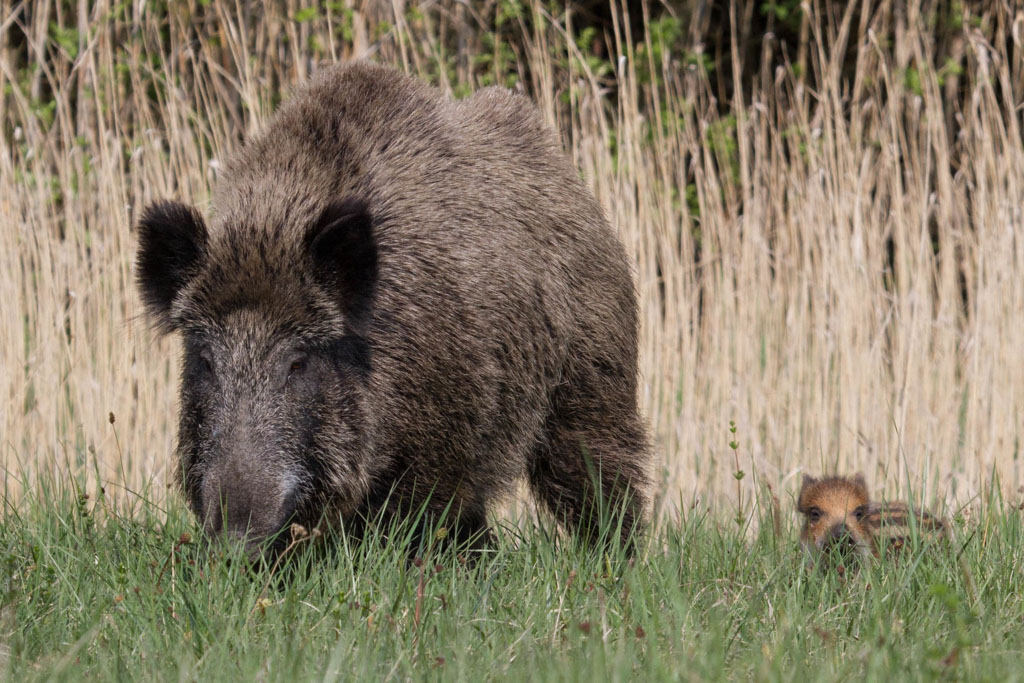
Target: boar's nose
column 236, row 509
column 233, row 513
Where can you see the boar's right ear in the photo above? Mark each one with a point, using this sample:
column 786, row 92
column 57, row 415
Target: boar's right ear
column 344, row 251
column 172, row 241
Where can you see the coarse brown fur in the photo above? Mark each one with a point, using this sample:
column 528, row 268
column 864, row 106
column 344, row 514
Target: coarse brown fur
column 840, row 518
column 399, row 300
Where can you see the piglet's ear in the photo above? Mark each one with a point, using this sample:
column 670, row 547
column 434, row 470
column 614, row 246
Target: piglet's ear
column 344, row 253
column 805, row 484
column 172, row 244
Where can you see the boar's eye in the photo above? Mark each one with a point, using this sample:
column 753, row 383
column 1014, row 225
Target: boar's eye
column 206, row 362
column 297, row 366
column 814, row 514
column 294, row 370
column 859, row 513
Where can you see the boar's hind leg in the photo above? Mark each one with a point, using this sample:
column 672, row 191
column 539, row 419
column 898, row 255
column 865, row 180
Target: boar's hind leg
column 590, row 471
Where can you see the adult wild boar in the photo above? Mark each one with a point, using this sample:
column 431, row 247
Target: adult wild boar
column 400, row 300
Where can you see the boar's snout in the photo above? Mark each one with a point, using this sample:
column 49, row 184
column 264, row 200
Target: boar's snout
column 237, row 507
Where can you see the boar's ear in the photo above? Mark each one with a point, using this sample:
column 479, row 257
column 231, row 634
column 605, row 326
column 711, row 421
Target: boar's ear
column 858, row 481
column 344, row 252
column 172, row 241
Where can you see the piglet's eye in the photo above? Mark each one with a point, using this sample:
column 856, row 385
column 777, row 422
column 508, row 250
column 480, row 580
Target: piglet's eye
column 814, row 514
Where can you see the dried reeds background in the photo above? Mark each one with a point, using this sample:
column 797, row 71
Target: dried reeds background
column 834, row 264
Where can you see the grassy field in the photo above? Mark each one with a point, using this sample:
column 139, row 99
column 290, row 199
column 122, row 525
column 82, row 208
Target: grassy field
column 92, row 592
column 826, row 235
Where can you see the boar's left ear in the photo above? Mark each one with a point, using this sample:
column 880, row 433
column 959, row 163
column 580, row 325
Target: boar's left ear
column 344, row 252
column 172, row 242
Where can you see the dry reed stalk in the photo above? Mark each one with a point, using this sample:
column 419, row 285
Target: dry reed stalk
column 815, row 298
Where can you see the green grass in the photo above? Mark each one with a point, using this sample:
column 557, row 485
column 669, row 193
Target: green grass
column 92, row 592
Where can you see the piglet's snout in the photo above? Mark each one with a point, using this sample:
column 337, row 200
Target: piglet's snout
column 840, row 539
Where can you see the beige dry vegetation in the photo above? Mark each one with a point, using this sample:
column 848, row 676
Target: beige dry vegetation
column 791, row 320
